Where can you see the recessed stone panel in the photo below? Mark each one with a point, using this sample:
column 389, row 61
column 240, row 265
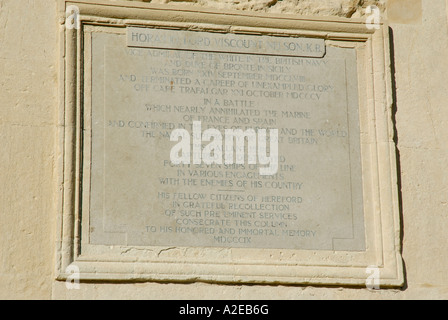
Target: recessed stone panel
column 141, row 95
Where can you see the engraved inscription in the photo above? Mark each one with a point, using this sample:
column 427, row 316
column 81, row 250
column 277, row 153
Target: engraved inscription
column 203, row 41
column 140, row 95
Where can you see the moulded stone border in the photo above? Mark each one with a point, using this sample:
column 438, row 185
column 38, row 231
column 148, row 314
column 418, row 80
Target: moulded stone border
column 230, row 265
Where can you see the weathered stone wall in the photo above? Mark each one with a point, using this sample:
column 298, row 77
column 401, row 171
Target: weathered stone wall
column 29, row 48
column 341, row 8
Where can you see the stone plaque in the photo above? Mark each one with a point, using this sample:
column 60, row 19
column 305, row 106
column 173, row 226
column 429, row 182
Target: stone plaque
column 151, row 82
column 308, row 196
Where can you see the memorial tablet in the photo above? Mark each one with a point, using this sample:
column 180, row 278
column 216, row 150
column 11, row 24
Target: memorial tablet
column 229, row 148
column 172, row 79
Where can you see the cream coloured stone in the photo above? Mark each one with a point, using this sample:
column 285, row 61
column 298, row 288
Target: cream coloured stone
column 100, row 259
column 29, row 188
column 151, row 92
column 400, row 11
column 229, row 43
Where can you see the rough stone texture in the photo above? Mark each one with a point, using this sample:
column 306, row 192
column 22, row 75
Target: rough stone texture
column 28, row 133
column 421, row 52
column 28, row 114
column 341, row 8
column 405, row 11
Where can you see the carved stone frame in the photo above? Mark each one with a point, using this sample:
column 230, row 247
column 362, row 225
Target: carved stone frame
column 382, row 218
